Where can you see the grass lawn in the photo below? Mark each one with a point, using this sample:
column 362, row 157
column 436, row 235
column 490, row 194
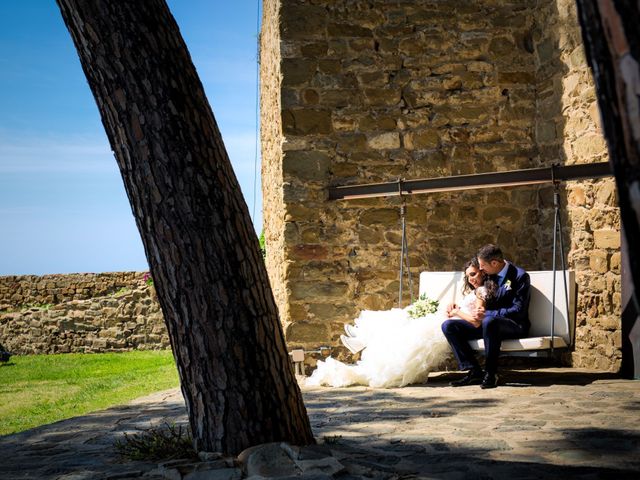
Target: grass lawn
column 40, row 389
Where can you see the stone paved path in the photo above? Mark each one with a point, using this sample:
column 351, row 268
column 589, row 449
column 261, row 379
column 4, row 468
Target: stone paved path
column 547, row 423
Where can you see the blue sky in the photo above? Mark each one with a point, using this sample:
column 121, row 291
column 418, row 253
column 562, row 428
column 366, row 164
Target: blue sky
column 63, row 207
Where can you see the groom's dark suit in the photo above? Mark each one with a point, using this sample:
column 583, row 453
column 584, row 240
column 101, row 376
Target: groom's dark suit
column 506, row 316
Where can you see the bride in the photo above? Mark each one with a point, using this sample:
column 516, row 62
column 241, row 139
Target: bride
column 399, row 350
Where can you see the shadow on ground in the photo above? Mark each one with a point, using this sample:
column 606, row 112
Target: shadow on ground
column 425, row 431
column 414, row 460
column 533, row 378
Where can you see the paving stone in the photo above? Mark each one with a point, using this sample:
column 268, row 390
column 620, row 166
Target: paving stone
column 510, row 432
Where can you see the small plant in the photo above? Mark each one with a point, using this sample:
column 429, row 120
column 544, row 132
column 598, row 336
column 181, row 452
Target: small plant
column 331, row 439
column 263, row 247
column 148, row 279
column 39, row 306
column 121, row 292
column 423, row 306
column 160, row 443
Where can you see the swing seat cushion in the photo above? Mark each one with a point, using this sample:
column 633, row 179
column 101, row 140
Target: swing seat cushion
column 446, row 287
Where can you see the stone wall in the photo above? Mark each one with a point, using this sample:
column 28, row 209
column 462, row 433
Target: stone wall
column 271, row 150
column 373, row 91
column 568, row 132
column 80, row 313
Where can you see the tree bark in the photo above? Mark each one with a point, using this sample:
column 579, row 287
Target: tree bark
column 612, row 42
column 236, row 378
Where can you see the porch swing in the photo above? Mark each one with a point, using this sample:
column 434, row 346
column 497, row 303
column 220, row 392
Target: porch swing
column 546, row 334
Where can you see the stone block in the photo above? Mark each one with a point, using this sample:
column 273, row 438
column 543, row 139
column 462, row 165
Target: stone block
column 309, row 252
column 314, row 49
column 315, row 291
column 341, row 170
column 609, row 323
column 411, row 46
column 577, row 197
column 340, row 98
column 99, row 344
column 353, row 142
column 329, row 66
column 362, row 44
column 468, row 114
column 307, row 332
column 577, row 57
column 296, row 71
column 369, row 235
column 502, row 47
column 369, row 79
column 310, row 97
column 384, row 141
column 380, row 216
column 325, row 310
column 606, row 193
column 598, row 261
column 289, row 98
column 344, row 123
column 422, row 139
column 382, row 96
column 378, row 122
column 306, row 165
column 607, row 239
column 614, row 262
column 527, row 78
column 376, row 302
column 588, row 146
column 477, row 66
column 303, row 21
column 307, row 121
column 344, row 30
column 496, row 213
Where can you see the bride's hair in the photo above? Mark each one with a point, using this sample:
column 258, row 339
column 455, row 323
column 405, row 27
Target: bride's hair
column 490, row 285
column 466, row 286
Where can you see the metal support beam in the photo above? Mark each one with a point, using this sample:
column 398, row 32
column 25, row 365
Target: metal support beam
column 511, row 178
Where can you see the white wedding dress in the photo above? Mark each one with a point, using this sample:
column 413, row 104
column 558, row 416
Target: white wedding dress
column 400, row 350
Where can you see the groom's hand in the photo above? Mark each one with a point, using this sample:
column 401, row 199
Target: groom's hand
column 478, row 313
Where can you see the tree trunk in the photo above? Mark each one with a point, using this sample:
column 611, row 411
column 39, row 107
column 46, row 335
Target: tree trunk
column 236, row 378
column 612, row 42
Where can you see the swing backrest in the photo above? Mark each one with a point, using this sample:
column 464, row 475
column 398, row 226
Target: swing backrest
column 540, row 305
column 446, row 287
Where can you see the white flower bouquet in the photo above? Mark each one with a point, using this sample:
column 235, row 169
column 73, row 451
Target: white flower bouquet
column 423, row 306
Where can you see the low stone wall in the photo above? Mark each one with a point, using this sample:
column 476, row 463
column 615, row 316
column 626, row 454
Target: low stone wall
column 80, row 313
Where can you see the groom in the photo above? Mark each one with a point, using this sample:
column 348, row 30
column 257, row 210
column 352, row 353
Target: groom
column 504, row 316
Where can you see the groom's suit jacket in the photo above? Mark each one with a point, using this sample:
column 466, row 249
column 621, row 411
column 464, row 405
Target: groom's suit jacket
column 512, row 298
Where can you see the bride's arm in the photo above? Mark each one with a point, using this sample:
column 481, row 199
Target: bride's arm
column 459, row 313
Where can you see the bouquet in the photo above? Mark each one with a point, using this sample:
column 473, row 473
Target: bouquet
column 423, row 306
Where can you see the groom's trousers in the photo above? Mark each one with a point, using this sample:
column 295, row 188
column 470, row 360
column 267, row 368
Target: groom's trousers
column 493, row 330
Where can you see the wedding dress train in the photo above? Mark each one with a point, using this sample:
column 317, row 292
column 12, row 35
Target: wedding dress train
column 400, row 350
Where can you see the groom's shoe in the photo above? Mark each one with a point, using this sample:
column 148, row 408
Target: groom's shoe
column 473, row 377
column 490, row 380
